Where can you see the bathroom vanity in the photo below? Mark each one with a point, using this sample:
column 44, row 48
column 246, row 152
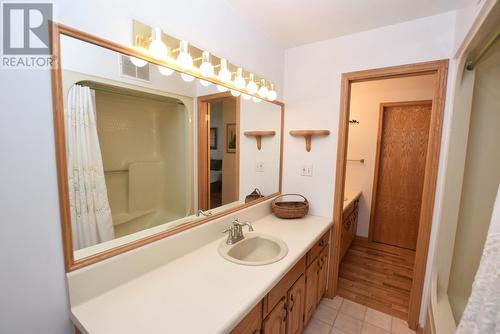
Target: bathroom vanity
column 349, row 220
column 193, row 289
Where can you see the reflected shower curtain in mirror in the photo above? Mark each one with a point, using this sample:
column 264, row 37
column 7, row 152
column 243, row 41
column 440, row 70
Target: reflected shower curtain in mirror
column 91, row 220
column 482, row 313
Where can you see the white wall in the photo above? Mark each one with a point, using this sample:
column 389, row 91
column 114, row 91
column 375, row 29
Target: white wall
column 263, row 116
column 362, row 142
column 312, row 92
column 32, row 286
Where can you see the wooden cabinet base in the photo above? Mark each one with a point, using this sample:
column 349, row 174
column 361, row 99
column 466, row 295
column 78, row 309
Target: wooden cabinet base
column 287, row 308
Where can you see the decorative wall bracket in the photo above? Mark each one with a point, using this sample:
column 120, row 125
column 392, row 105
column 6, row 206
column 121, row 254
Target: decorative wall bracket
column 308, row 135
column 258, row 136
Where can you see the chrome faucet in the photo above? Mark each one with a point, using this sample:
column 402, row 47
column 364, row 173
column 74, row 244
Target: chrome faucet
column 204, row 213
column 235, row 231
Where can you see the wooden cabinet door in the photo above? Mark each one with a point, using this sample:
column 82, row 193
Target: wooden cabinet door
column 323, row 273
column 275, row 323
column 311, row 290
column 295, row 306
column 251, row 323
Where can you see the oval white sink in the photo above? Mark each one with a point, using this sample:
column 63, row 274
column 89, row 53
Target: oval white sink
column 255, row 250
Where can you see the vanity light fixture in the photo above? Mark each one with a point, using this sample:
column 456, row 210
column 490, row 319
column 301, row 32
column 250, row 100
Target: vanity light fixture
column 184, row 59
column 239, row 81
column 197, row 63
column 186, row 77
column 205, row 83
column 271, row 96
column 165, row 70
column 235, row 93
column 157, row 48
column 222, row 89
column 252, row 86
column 138, row 62
column 206, row 67
column 263, row 89
column 224, row 73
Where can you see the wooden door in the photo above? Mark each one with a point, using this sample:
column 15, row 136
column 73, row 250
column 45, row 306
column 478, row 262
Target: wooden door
column 275, row 323
column 311, row 290
column 323, row 273
column 399, row 172
column 295, row 306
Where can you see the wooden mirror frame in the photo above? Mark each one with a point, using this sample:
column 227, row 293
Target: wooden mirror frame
column 60, row 146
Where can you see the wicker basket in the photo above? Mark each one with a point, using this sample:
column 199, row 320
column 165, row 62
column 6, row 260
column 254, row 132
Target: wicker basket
column 290, row 209
column 256, row 194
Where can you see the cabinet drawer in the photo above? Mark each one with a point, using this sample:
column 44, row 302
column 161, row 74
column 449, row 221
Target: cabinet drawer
column 252, row 322
column 318, row 246
column 280, row 290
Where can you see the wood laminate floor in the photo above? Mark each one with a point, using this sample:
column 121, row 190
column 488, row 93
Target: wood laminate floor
column 378, row 276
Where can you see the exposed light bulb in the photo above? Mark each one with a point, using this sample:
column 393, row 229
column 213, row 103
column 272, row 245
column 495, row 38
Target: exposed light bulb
column 239, row 81
column 157, row 48
column 184, row 59
column 165, row 70
column 252, row 86
column 224, row 73
column 263, row 89
column 187, row 77
column 205, row 83
column 256, row 99
column 138, row 62
column 235, row 93
column 246, row 96
column 206, row 67
column 222, row 88
column 271, row 96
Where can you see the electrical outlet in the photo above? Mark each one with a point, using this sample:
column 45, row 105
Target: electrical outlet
column 306, row 170
column 259, row 166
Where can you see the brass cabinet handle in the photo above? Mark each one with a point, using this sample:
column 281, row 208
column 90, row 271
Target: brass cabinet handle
column 292, row 302
column 321, row 243
column 284, row 313
column 257, row 331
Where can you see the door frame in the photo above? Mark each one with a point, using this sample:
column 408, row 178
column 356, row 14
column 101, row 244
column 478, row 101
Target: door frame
column 383, row 105
column 440, row 69
column 204, row 145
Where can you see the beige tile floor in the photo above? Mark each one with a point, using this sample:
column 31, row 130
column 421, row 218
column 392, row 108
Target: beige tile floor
column 342, row 316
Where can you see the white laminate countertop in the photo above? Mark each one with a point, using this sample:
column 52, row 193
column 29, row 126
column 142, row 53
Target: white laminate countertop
column 199, row 292
column 350, row 196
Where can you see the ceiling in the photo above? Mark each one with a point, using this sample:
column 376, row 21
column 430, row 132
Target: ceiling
column 291, row 23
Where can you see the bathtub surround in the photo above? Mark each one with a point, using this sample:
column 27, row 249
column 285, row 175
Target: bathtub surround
column 481, row 315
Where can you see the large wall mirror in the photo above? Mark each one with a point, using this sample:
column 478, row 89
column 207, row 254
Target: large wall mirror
column 145, row 152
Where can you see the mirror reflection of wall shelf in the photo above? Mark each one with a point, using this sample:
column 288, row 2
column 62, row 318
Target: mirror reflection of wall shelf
column 308, row 135
column 170, row 54
column 258, row 136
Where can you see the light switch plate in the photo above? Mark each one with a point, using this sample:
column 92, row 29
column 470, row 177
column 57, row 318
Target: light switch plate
column 306, row 170
column 259, row 166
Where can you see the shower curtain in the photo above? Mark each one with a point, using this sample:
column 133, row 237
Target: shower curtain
column 91, row 221
column 482, row 313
